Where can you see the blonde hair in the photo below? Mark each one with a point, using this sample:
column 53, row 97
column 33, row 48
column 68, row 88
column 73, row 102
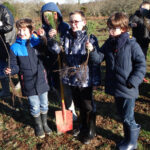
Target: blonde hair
column 25, row 22
column 118, row 20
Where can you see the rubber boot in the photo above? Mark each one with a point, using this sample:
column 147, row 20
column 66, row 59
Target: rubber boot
column 46, row 128
column 91, row 128
column 5, row 88
column 39, row 127
column 131, row 143
column 83, row 127
column 126, row 134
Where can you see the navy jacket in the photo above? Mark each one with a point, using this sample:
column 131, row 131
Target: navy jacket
column 24, row 60
column 125, row 64
column 75, row 54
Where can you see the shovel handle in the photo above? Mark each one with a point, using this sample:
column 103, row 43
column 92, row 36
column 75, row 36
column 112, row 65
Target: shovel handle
column 63, row 105
column 61, row 88
column 63, row 110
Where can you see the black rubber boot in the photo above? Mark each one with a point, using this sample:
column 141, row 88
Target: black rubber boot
column 91, row 133
column 131, row 143
column 77, row 131
column 47, row 130
column 83, row 127
column 39, row 127
column 126, row 135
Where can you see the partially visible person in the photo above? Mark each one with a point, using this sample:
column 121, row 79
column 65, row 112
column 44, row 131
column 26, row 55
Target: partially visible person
column 7, row 37
column 140, row 24
column 24, row 61
column 80, row 73
column 139, row 28
column 125, row 70
column 51, row 59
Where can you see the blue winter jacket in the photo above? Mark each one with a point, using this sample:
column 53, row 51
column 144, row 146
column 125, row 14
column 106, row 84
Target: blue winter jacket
column 125, row 64
column 25, row 62
column 75, row 54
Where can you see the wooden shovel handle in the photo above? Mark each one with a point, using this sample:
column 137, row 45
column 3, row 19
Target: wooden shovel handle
column 61, row 87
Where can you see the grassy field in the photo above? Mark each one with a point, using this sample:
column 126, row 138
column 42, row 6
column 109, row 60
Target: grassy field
column 16, row 124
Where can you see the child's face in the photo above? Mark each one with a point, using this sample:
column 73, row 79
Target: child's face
column 49, row 13
column 24, row 33
column 76, row 22
column 115, row 31
column 146, row 6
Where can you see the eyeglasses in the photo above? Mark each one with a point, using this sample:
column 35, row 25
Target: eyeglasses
column 75, row 21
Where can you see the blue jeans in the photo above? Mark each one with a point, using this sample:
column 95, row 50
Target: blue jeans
column 38, row 104
column 125, row 109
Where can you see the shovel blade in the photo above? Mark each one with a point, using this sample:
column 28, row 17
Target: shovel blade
column 64, row 125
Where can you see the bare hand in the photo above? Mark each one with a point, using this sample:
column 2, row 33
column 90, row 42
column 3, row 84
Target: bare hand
column 41, row 32
column 134, row 25
column 8, row 71
column 52, row 33
column 89, row 46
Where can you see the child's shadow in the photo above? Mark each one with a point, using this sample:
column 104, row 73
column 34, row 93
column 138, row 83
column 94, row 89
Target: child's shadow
column 20, row 112
column 144, row 90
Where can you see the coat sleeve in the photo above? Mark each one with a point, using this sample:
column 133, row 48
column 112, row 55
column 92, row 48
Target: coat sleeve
column 7, row 20
column 95, row 56
column 134, row 19
column 53, row 46
column 13, row 63
column 139, row 65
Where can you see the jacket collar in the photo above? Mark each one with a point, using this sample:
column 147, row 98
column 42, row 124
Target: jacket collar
column 118, row 42
column 21, row 41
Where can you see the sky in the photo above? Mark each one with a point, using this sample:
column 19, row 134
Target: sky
column 62, row 1
column 66, row 1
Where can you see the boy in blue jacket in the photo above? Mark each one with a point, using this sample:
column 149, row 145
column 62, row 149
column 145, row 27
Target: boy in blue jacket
column 25, row 62
column 125, row 70
column 80, row 74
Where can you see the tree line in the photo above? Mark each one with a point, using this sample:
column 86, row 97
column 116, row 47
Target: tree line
column 96, row 8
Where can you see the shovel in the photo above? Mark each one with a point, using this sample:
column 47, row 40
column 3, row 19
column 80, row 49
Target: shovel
column 64, row 118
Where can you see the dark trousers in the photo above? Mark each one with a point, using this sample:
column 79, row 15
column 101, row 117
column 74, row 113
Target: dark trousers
column 82, row 98
column 125, row 108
